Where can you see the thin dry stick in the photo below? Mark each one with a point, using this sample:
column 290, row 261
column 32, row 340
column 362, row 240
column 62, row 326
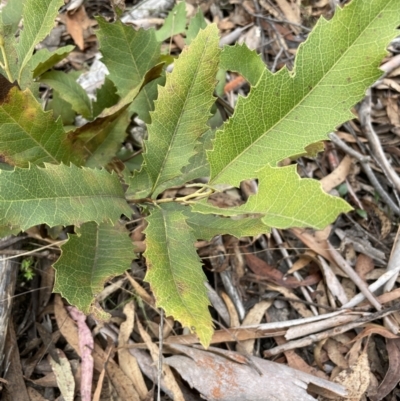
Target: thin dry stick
column 373, row 287
column 306, row 341
column 361, row 285
column 394, row 261
column 285, row 254
column 160, row 354
column 35, row 251
column 8, row 279
column 373, row 140
column 391, row 65
column 230, row 288
column 365, row 160
column 337, row 257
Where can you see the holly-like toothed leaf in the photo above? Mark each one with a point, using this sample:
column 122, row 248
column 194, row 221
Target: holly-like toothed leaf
column 139, row 185
column 289, row 110
column 59, row 195
column 95, row 255
column 182, row 109
column 246, row 62
column 198, row 166
column 30, row 135
column 195, row 25
column 174, row 270
column 127, row 99
column 39, row 17
column 70, row 91
column 127, row 53
column 285, row 200
column 43, row 59
column 100, row 139
column 207, row 226
column 174, row 24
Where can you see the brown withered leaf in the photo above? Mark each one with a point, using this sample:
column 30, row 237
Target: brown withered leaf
column 261, row 268
column 77, row 23
column 392, row 377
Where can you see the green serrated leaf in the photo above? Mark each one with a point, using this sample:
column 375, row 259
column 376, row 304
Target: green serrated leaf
column 144, row 102
column 195, row 25
column 43, row 59
column 174, row 24
column 182, row 109
column 174, row 270
column 62, row 109
column 287, row 111
column 246, row 62
column 70, row 91
column 11, row 13
column 30, row 135
column 198, row 166
column 39, row 17
column 206, row 227
column 139, row 185
column 59, row 195
column 127, row 99
column 89, row 259
column 128, row 54
column 106, row 96
column 285, row 200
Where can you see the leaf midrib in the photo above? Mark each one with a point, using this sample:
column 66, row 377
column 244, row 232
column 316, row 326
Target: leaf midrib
column 166, row 226
column 183, row 110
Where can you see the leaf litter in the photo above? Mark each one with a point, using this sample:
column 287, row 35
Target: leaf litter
column 296, row 323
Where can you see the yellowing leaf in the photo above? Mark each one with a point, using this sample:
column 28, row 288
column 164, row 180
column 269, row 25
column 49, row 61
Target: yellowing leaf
column 89, row 259
column 30, row 135
column 182, row 109
column 174, row 270
column 59, row 195
column 287, row 111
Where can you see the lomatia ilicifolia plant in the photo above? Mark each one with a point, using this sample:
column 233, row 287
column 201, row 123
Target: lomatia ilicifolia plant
column 59, row 174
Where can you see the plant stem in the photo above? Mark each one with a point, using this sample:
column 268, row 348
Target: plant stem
column 188, row 199
column 5, row 66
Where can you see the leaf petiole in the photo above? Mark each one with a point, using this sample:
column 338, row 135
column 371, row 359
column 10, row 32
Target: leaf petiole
column 5, row 66
column 204, row 192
